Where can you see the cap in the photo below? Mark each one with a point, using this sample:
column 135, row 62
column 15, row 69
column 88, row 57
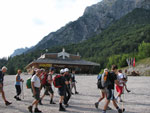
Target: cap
column 66, row 69
column 106, row 69
column 42, row 69
column 51, row 68
column 62, row 71
column 38, row 70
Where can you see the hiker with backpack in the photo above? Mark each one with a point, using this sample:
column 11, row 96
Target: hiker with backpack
column 109, row 80
column 102, row 89
column 2, row 73
column 61, row 85
column 35, row 84
column 17, row 85
column 73, row 82
column 67, row 95
column 48, row 86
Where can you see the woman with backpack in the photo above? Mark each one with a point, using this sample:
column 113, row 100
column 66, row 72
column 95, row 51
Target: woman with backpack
column 102, row 90
column 17, row 85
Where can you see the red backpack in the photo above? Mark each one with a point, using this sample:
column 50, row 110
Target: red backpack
column 44, row 80
column 57, row 81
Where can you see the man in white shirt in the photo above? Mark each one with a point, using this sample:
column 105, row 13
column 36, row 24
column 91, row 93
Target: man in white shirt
column 35, row 84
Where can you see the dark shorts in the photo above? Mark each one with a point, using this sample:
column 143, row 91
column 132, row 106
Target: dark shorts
column 1, row 88
column 48, row 89
column 110, row 94
column 42, row 86
column 61, row 91
column 37, row 95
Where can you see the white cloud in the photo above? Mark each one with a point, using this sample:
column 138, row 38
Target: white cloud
column 25, row 22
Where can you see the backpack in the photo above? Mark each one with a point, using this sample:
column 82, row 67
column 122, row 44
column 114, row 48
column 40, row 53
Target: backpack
column 44, row 79
column 28, row 83
column 105, row 80
column 99, row 84
column 57, row 81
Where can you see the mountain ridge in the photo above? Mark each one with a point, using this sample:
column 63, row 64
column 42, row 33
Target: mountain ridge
column 95, row 19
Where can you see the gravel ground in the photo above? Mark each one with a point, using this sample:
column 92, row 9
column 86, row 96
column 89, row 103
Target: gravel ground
column 138, row 101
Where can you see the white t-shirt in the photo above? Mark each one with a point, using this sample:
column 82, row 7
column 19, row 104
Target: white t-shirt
column 119, row 77
column 36, row 81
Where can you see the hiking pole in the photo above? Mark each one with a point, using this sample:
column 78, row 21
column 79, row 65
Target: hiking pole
column 123, row 109
column 22, row 91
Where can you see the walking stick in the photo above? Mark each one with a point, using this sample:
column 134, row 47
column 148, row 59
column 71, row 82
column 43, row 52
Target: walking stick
column 123, row 109
column 22, row 91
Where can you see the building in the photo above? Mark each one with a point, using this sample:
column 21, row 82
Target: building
column 62, row 60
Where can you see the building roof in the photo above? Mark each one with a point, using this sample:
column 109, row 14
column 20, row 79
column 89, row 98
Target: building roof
column 65, row 61
column 54, row 58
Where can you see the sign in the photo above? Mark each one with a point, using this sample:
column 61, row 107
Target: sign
column 45, row 65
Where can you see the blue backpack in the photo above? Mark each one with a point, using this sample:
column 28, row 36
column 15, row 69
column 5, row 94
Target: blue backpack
column 99, row 84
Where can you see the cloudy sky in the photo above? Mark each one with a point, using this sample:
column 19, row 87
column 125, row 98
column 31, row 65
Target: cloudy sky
column 23, row 23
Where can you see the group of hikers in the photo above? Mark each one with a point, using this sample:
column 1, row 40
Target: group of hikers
column 41, row 78
column 107, row 82
column 65, row 82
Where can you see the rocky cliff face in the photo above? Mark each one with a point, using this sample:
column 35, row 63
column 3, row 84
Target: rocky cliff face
column 19, row 51
column 94, row 20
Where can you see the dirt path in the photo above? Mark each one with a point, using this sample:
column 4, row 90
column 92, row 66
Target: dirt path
column 138, row 101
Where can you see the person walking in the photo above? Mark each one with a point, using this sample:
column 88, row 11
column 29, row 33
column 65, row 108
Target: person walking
column 112, row 77
column 73, row 82
column 48, row 86
column 2, row 73
column 35, row 83
column 119, row 87
column 17, row 85
column 102, row 90
column 67, row 95
column 61, row 90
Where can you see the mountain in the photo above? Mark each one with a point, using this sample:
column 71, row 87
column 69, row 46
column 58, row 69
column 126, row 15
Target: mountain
column 94, row 20
column 19, row 51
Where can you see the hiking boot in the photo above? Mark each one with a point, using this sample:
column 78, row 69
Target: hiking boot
column 96, row 105
column 40, row 102
column 121, row 100
column 128, row 91
column 76, row 92
column 108, row 108
column 30, row 109
column 36, row 110
column 18, row 99
column 119, row 111
column 61, row 108
column 103, row 111
column 66, row 105
column 15, row 97
column 7, row 103
column 51, row 102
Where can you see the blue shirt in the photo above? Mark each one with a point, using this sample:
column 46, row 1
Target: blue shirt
column 18, row 78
